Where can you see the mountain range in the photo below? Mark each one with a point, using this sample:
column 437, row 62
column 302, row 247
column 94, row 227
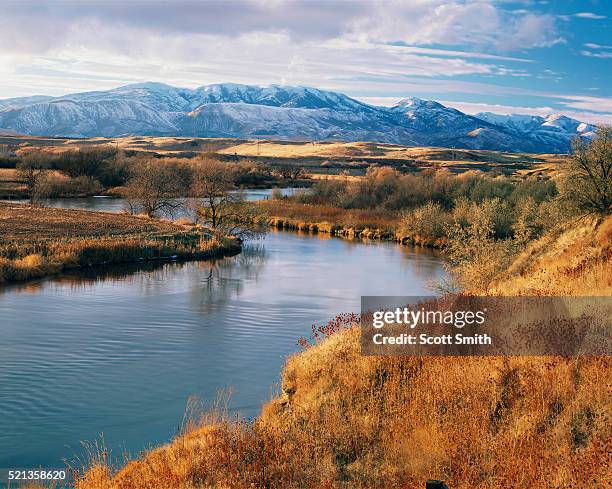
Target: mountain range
column 281, row 113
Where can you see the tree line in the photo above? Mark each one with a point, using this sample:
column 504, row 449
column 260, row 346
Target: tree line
column 88, row 170
column 202, row 187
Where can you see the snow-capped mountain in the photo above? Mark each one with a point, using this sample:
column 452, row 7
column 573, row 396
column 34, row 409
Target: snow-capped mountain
column 279, row 112
column 551, row 131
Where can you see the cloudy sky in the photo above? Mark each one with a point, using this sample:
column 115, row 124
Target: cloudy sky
column 530, row 56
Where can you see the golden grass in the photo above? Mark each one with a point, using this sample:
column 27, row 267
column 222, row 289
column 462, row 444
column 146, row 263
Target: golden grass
column 396, row 422
column 328, row 217
column 576, row 260
column 343, row 420
column 309, row 154
column 36, row 242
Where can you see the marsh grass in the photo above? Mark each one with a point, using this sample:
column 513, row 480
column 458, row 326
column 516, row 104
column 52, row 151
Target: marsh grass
column 37, row 242
column 333, row 216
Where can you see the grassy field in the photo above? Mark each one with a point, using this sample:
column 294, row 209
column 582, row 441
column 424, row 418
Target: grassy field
column 319, row 158
column 344, row 420
column 36, row 241
column 11, row 186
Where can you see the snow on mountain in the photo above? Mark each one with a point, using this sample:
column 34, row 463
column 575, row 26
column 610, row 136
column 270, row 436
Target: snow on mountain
column 555, row 131
column 71, row 118
column 279, row 112
column 22, row 101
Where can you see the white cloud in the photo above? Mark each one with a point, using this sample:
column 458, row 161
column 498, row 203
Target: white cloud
column 63, row 45
column 589, row 15
column 592, row 45
column 591, row 54
column 585, row 102
column 478, row 23
column 38, row 27
column 254, row 57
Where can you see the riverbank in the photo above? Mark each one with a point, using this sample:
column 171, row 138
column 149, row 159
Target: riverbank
column 37, row 242
column 344, row 420
column 349, row 224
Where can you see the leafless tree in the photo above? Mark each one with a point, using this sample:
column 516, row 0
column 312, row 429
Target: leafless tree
column 154, row 188
column 291, row 172
column 587, row 183
column 32, row 169
column 219, row 206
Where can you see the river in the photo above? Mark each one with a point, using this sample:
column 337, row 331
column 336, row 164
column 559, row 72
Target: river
column 115, row 353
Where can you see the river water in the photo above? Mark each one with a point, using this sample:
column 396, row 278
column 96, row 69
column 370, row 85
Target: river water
column 116, row 353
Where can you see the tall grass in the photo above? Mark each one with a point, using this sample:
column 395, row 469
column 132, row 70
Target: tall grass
column 349, row 421
column 27, row 259
column 334, row 216
column 344, row 420
column 35, row 241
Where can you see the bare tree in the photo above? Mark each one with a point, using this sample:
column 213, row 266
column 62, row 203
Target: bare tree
column 32, row 169
column 219, row 206
column 154, row 188
column 291, row 172
column 587, row 184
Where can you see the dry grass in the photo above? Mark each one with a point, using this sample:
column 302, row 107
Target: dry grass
column 24, row 222
column 396, row 422
column 11, row 185
column 327, row 217
column 343, row 420
column 576, row 260
column 35, row 241
column 310, row 154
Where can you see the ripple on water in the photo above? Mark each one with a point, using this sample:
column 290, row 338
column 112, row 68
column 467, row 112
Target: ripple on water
column 119, row 351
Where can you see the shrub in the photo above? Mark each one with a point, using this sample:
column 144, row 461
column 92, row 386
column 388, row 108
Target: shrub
column 428, row 221
column 475, row 252
column 587, row 184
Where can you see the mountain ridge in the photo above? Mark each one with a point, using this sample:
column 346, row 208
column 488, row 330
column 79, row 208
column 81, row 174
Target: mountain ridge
column 280, row 112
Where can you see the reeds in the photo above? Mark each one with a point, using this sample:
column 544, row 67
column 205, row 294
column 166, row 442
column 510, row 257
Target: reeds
column 334, row 216
column 40, row 242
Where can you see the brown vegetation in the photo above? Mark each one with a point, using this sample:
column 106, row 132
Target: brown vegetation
column 35, row 242
column 434, row 209
column 326, row 217
column 345, row 420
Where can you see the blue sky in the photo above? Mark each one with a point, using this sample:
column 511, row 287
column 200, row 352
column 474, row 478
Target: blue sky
column 527, row 56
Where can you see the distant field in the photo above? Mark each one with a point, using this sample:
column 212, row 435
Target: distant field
column 319, row 158
column 10, row 184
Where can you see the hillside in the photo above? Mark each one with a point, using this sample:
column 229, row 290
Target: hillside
column 573, row 261
column 276, row 112
column 346, row 420
column 325, row 158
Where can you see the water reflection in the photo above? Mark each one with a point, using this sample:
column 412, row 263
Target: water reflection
column 119, row 350
column 224, row 279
